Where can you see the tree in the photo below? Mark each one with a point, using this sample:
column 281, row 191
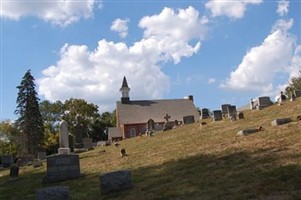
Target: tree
column 29, row 122
column 293, row 84
column 8, row 134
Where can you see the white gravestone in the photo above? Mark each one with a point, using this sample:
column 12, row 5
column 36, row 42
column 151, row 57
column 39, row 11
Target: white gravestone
column 64, row 139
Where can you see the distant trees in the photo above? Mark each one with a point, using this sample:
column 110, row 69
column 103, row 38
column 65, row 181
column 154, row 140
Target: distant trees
column 294, row 84
column 8, row 134
column 30, row 122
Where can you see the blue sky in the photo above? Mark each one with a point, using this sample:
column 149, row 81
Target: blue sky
column 217, row 51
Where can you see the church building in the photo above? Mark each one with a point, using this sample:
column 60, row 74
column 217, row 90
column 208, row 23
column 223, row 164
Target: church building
column 132, row 116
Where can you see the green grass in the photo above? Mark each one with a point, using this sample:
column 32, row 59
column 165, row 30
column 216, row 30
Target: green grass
column 192, row 162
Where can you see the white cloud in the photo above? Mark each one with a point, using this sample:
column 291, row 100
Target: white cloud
column 211, row 80
column 120, row 26
column 282, row 8
column 96, row 75
column 57, row 12
column 232, row 9
column 257, row 70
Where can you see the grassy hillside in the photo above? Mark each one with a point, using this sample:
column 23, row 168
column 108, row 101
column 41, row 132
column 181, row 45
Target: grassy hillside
column 192, row 162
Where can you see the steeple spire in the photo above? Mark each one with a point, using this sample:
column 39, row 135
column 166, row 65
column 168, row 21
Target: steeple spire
column 125, row 98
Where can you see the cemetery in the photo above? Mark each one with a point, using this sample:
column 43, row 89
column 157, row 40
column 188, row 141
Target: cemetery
column 187, row 157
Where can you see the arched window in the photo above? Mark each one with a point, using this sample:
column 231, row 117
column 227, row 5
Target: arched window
column 133, row 132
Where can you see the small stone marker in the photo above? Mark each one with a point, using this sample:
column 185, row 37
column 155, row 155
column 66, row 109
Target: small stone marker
column 240, row 115
column 14, row 172
column 281, row 121
column 87, row 143
column 249, row 131
column 37, row 163
column 217, row 115
column 122, row 152
column 42, row 155
column 188, row 119
column 53, row 193
column 115, row 181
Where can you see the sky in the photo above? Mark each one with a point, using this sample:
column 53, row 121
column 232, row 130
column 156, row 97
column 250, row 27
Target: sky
column 218, row 51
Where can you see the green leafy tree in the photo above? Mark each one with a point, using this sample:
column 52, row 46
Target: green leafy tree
column 8, row 134
column 29, row 122
column 293, row 84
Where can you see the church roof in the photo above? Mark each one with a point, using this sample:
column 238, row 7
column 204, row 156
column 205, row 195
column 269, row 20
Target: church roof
column 136, row 112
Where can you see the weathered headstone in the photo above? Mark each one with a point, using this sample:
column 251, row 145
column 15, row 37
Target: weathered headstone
column 205, row 113
column 217, row 115
column 87, row 143
column 122, row 152
column 188, row 119
column 297, row 93
column 224, row 108
column 167, row 126
column 115, row 181
column 14, row 171
column 252, row 106
column 53, row 193
column 79, row 131
column 62, row 167
column 64, row 139
column 71, row 144
column 24, row 161
column 240, row 115
column 7, row 160
column 281, row 121
column 293, row 97
column 247, row 131
column 232, row 111
column 42, row 155
column 150, row 125
column 263, row 102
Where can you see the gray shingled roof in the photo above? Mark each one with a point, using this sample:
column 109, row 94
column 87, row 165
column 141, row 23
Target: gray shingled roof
column 142, row 111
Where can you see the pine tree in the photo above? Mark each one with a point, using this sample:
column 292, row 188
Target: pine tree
column 294, row 84
column 30, row 122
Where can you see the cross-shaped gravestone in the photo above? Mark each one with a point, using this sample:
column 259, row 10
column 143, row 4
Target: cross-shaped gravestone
column 166, row 117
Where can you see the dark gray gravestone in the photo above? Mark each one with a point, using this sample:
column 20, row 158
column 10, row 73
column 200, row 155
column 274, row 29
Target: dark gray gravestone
column 263, row 102
column 232, row 111
column 281, row 121
column 87, row 143
column 247, row 131
column 42, row 155
column 71, row 144
column 224, row 108
column 62, row 167
column 115, row 181
column 205, row 113
column 7, row 160
column 14, row 172
column 240, row 115
column 217, row 115
column 188, row 119
column 53, row 193
column 297, row 93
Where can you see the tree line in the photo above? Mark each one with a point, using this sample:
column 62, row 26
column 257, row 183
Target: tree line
column 36, row 128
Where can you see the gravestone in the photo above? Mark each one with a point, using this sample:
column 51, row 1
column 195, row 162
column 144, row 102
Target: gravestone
column 64, row 139
column 293, row 97
column 37, row 163
column 7, row 160
column 150, row 125
column 217, row 115
column 252, row 106
column 297, row 93
column 240, row 115
column 53, row 193
column 42, row 155
column 14, row 171
column 71, row 144
column 24, row 161
column 88, row 142
column 232, row 111
column 281, row 121
column 167, row 125
column 224, row 108
column 79, row 131
column 158, row 126
column 115, row 181
column 247, row 131
column 205, row 113
column 62, row 167
column 188, row 119
column 263, row 102
column 122, row 152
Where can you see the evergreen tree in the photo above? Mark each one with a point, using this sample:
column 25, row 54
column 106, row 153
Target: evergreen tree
column 294, row 84
column 30, row 122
